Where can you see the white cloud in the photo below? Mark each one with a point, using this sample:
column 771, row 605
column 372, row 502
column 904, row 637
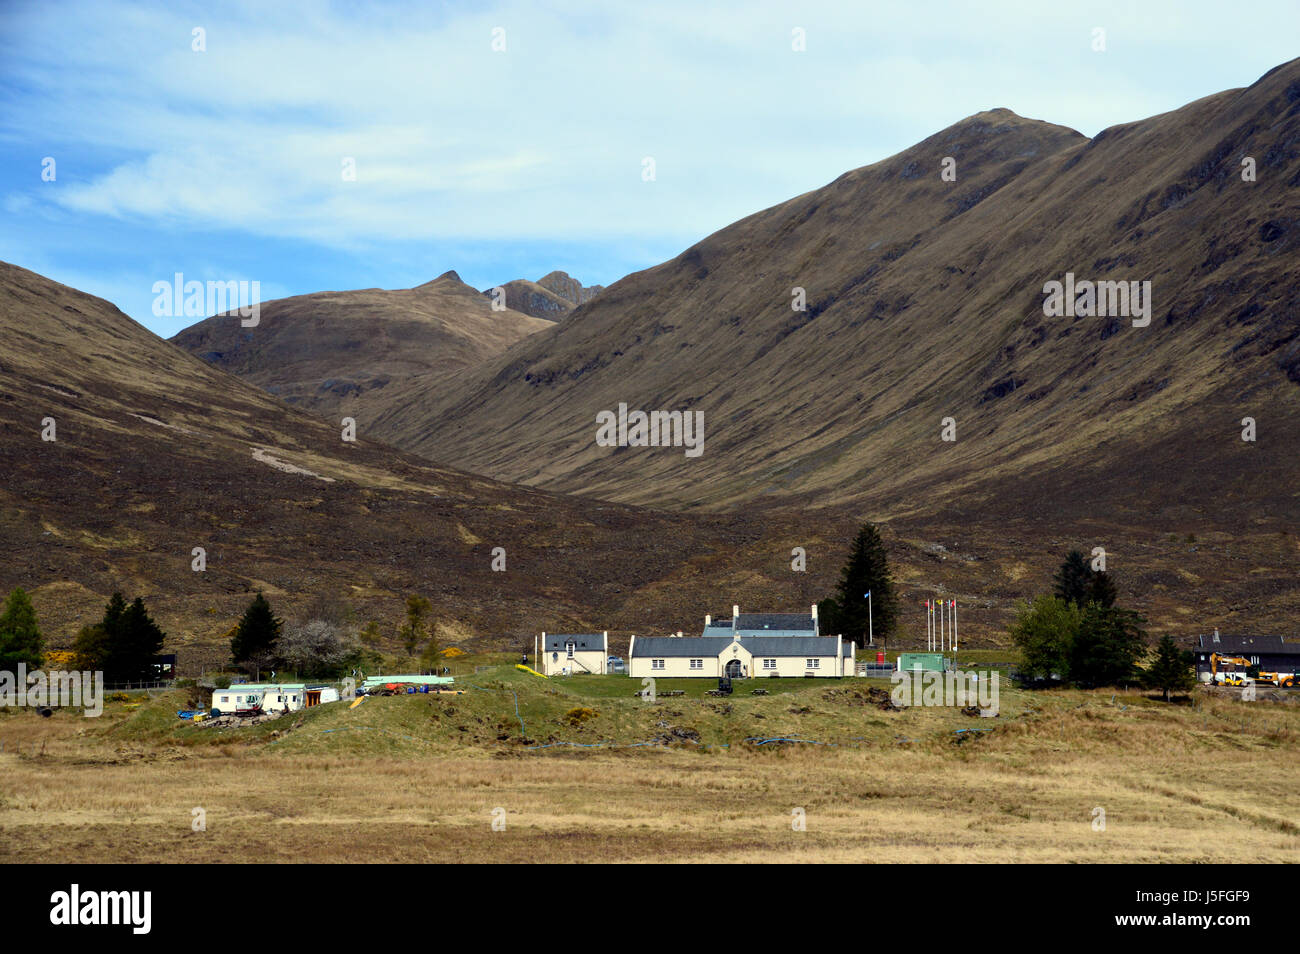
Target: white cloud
column 545, row 140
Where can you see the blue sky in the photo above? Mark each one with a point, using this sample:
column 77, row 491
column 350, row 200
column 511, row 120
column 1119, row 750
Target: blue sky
column 226, row 164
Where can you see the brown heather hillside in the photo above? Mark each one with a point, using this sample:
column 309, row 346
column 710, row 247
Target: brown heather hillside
column 351, row 353
column 925, row 301
column 158, row 453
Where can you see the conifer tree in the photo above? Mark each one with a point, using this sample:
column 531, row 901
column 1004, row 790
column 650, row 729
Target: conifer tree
column 1074, row 579
column 257, row 634
column 123, row 644
column 1101, row 589
column 20, row 636
column 1171, row 671
column 140, row 640
column 867, row 571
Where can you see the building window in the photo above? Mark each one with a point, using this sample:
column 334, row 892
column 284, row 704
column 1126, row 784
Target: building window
column 656, row 664
column 814, row 663
column 769, row 663
column 697, row 663
column 569, row 647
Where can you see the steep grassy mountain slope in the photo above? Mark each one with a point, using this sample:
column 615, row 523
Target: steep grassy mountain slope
column 350, row 353
column 156, row 453
column 925, row 301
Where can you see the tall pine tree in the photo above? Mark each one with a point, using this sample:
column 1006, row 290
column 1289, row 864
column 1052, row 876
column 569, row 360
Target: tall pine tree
column 1101, row 589
column 1074, row 579
column 1078, row 583
column 867, row 571
column 20, row 637
column 256, row 635
column 94, row 644
column 123, row 644
column 1171, row 670
column 140, row 640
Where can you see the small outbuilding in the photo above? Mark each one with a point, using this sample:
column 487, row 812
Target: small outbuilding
column 320, row 695
column 926, row 662
column 569, row 654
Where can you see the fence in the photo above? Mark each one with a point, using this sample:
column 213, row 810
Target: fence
column 124, row 686
column 874, row 669
column 884, row 669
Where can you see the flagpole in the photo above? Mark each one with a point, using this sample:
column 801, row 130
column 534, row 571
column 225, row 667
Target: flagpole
column 871, row 633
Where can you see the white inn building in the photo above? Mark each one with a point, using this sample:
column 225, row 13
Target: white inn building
column 743, row 646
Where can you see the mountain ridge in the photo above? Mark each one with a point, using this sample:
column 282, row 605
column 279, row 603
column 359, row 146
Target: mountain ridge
column 891, row 257
column 344, row 353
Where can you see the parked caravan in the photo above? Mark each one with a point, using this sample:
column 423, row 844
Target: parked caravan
column 249, row 697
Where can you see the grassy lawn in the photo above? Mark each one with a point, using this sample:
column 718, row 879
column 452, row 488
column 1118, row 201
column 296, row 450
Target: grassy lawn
column 617, row 687
column 587, row 772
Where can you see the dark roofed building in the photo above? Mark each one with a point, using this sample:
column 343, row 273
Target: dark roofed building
column 776, row 624
column 1268, row 653
column 763, row 624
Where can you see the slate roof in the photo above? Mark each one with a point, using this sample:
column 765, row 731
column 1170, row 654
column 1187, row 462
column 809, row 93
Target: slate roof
column 709, row 647
column 694, row 646
column 758, row 623
column 792, row 645
column 582, row 642
column 1248, row 646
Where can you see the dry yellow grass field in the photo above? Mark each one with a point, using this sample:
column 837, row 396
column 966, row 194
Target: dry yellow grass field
column 1212, row 781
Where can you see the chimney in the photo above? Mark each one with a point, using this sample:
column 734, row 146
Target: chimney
column 708, row 620
column 679, row 634
column 735, row 610
column 1216, row 634
column 814, row 613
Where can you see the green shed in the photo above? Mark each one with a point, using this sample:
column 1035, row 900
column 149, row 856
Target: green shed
column 929, row 662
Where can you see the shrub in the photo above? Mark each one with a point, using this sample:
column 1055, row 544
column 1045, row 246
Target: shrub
column 580, row 715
